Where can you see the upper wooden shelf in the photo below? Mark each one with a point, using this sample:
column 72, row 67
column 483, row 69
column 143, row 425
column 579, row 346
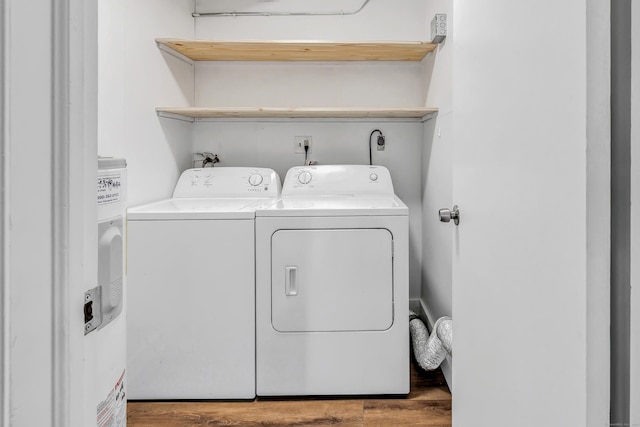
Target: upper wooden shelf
column 201, row 50
column 292, row 113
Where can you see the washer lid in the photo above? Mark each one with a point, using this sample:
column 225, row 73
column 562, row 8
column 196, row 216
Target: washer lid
column 195, row 208
column 335, row 206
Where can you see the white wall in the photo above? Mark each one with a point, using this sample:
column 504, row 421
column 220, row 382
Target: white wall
column 379, row 20
column 635, row 214
column 308, row 84
column 135, row 78
column 437, row 177
column 520, row 273
column 269, row 143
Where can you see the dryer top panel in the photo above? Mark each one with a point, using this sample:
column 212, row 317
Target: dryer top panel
column 339, row 180
column 335, row 206
column 221, row 182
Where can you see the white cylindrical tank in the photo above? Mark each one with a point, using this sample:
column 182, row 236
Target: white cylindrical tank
column 105, row 352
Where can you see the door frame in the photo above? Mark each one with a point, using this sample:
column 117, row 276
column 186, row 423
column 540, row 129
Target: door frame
column 68, row 165
column 4, row 289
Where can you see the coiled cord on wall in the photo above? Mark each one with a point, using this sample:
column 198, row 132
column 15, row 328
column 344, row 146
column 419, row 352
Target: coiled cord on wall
column 380, row 140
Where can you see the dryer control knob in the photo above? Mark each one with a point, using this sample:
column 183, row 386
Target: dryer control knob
column 304, row 177
column 255, row 179
column 373, row 177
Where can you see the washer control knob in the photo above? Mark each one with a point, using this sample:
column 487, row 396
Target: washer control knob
column 373, row 177
column 304, row 177
column 255, row 179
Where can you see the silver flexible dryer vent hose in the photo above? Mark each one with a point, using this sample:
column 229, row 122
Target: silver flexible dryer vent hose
column 430, row 351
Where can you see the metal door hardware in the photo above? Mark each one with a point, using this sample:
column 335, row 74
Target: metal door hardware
column 291, row 280
column 92, row 309
column 447, row 215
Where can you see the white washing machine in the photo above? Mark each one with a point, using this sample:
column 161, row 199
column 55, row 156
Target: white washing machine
column 191, row 275
column 332, row 285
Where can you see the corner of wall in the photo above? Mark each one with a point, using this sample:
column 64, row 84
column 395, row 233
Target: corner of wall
column 135, row 78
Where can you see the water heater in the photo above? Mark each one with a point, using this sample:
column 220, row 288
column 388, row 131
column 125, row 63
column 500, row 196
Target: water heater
column 105, row 304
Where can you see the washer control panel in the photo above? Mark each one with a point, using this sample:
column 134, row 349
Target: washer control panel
column 354, row 180
column 220, row 182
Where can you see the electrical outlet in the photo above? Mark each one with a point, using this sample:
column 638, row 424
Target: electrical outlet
column 299, row 143
column 438, row 28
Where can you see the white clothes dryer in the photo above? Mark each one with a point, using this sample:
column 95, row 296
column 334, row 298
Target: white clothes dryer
column 191, row 272
column 332, row 288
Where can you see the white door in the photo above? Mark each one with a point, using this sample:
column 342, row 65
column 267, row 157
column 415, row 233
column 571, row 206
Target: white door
column 49, row 222
column 332, row 280
column 520, row 179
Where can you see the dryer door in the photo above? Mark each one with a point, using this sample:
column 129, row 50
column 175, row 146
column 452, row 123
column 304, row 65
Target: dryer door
column 332, row 280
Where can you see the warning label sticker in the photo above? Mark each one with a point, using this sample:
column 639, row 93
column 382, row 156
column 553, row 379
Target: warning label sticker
column 112, row 411
column 109, row 188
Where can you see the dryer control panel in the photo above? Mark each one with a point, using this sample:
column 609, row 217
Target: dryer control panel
column 347, row 180
column 230, row 182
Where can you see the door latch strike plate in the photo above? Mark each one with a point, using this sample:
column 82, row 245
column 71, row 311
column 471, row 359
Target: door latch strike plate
column 92, row 309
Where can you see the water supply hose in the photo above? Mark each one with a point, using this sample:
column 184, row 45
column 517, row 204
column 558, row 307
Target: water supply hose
column 430, row 350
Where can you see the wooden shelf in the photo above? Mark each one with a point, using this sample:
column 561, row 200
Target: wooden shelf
column 201, row 50
column 294, row 113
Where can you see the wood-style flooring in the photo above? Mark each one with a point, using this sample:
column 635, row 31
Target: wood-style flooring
column 428, row 404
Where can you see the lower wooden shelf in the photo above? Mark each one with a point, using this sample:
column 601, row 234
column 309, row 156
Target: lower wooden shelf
column 299, row 112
